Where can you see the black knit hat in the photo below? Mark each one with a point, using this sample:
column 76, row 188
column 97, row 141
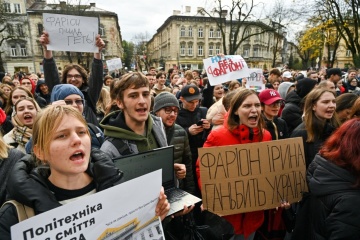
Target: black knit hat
column 165, row 99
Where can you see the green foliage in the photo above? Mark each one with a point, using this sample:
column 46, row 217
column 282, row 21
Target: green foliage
column 128, row 55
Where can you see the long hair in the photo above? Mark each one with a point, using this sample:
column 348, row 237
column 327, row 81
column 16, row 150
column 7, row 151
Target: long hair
column 343, row 148
column 10, row 104
column 80, row 69
column 313, row 125
column 233, row 120
column 4, row 148
column 355, row 109
column 104, row 101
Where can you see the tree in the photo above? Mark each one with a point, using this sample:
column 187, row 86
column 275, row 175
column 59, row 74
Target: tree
column 345, row 18
column 141, row 54
column 234, row 23
column 128, row 53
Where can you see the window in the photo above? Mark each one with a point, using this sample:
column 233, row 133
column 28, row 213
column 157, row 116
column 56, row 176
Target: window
column 256, row 52
column 257, row 36
column 22, row 50
column 217, row 49
column 247, row 32
column 20, row 30
column 218, row 33
column 348, row 53
column 182, row 32
column 17, row 8
column 331, row 54
column 200, row 32
column 102, row 30
column 211, row 50
column 232, row 35
column 182, row 49
column 10, row 29
column 211, row 33
column 246, row 52
column 40, row 28
column 13, row 51
column 7, row 8
column 200, row 50
column 190, row 49
column 190, row 31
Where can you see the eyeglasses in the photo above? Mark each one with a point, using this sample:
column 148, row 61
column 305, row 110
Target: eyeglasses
column 78, row 102
column 276, row 104
column 169, row 110
column 76, row 76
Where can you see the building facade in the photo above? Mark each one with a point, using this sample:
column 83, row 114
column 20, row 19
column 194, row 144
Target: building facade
column 109, row 30
column 184, row 41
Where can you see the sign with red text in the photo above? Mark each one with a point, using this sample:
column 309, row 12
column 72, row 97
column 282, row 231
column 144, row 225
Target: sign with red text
column 71, row 33
column 226, row 68
column 255, row 80
column 125, row 211
column 252, row 177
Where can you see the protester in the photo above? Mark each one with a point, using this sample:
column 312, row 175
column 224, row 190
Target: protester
column 6, row 88
column 320, row 120
column 334, row 180
column 62, row 146
column 160, row 84
column 23, row 117
column 355, row 109
column 76, row 75
column 102, row 104
column 8, row 157
column 31, row 86
column 344, row 103
column 243, row 125
column 43, row 90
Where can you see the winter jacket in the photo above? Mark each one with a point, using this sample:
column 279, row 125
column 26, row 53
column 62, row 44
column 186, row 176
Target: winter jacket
column 292, row 111
column 336, row 215
column 115, row 127
column 91, row 92
column 28, row 185
column 44, row 96
column 312, row 148
column 243, row 223
column 6, row 166
column 177, row 137
column 281, row 130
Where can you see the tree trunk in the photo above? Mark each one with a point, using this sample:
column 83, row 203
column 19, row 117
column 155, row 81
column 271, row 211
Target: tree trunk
column 356, row 59
column 2, row 69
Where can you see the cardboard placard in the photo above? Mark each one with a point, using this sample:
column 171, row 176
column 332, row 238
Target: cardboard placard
column 251, row 177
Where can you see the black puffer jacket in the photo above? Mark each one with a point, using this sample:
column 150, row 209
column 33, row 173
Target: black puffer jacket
column 337, row 214
column 281, row 128
column 292, row 111
column 312, row 148
column 27, row 185
column 177, row 137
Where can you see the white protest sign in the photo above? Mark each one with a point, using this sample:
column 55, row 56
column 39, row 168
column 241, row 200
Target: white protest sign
column 71, row 33
column 224, row 69
column 255, row 80
column 126, row 211
column 114, row 64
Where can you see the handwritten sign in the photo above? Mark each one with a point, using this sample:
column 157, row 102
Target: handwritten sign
column 224, row 69
column 126, row 211
column 251, row 177
column 114, row 64
column 255, row 80
column 71, row 33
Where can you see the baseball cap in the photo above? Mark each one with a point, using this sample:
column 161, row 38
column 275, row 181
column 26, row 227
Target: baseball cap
column 287, row 74
column 269, row 96
column 190, row 92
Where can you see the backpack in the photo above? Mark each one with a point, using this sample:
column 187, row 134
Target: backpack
column 23, row 212
column 120, row 145
column 96, row 132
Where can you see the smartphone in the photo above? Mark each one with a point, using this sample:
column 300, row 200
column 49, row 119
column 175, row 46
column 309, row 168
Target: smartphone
column 199, row 123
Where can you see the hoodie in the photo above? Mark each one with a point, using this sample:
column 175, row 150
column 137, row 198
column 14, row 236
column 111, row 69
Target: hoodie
column 44, row 96
column 115, row 127
column 284, row 88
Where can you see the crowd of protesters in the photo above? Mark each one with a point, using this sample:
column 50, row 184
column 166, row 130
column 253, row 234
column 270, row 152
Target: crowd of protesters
column 136, row 112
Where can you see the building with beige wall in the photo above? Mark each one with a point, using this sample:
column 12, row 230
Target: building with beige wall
column 184, row 40
column 32, row 61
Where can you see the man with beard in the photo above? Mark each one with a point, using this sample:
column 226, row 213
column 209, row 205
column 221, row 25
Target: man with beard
column 166, row 106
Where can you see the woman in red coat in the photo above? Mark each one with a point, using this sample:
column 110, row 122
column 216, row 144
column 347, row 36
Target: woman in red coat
column 243, row 125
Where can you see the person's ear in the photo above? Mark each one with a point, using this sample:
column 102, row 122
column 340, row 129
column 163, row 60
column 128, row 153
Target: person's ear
column 119, row 104
column 39, row 153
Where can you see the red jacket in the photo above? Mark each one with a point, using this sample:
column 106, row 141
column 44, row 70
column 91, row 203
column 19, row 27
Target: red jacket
column 243, row 223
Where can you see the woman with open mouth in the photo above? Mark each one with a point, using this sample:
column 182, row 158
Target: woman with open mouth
column 23, row 117
column 62, row 149
column 243, row 125
column 320, row 120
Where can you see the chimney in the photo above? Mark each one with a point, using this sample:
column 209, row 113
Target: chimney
column 176, row 12
column 224, row 13
column 187, row 9
column 200, row 10
column 92, row 4
column 62, row 4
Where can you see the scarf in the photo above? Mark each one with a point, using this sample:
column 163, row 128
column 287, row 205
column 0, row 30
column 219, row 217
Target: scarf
column 21, row 133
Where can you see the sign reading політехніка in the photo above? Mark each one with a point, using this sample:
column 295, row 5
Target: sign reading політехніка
column 71, row 33
column 251, row 177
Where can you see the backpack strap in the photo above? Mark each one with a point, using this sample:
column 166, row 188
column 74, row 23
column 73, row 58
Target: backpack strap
column 24, row 212
column 120, row 145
